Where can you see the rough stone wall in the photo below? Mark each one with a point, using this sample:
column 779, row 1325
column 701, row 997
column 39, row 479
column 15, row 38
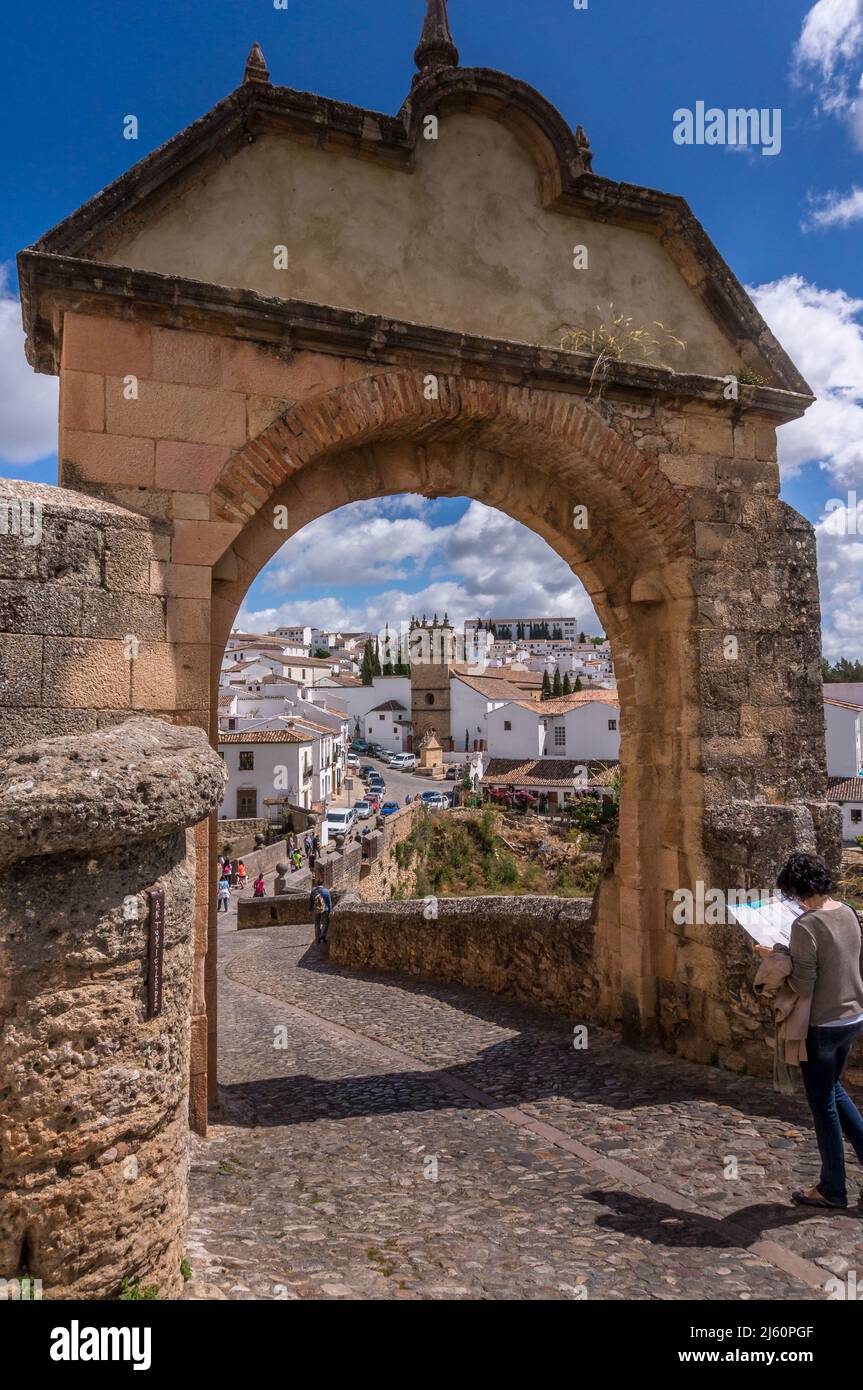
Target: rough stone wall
column 94, row 1129
column 93, row 627
column 538, row 950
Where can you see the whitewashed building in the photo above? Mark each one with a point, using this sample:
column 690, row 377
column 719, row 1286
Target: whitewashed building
column 843, row 721
column 585, row 726
column 263, row 763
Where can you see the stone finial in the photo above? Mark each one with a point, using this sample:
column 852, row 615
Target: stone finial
column 584, row 149
column 436, row 48
column 256, row 65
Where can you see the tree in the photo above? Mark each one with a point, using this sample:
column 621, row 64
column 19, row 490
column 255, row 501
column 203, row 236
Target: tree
column 843, row 670
column 581, row 637
column 367, row 670
column 546, row 686
column 578, row 686
column 321, row 653
column 376, row 660
column 557, row 685
column 567, row 685
column 467, row 740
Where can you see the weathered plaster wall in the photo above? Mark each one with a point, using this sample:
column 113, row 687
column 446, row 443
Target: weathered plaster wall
column 463, row 242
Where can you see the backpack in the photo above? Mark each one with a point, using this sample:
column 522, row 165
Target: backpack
column 319, row 902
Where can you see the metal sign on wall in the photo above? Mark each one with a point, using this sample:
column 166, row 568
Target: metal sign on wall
column 156, row 951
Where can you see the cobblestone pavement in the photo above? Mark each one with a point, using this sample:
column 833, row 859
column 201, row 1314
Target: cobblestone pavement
column 385, row 1138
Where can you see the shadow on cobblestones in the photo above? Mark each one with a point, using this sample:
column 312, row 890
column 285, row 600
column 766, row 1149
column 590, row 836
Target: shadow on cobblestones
column 636, row 1215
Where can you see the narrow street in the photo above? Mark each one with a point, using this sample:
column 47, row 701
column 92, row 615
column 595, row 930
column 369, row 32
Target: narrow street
column 389, row 1138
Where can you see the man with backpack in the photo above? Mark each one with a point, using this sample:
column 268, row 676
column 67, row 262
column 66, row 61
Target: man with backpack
column 321, row 903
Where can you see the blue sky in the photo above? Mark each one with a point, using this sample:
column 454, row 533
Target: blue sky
column 791, row 226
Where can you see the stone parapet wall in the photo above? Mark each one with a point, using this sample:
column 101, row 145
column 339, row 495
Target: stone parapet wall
column 537, row 950
column 95, row 1123
column 240, row 832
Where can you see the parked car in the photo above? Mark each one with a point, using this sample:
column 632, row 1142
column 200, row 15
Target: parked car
column 387, row 756
column 374, row 800
column 364, row 809
column 376, row 780
column 359, row 745
column 437, row 801
column 389, row 808
column 367, row 771
column 341, row 821
column 405, row 762
column 454, row 772
column 353, row 761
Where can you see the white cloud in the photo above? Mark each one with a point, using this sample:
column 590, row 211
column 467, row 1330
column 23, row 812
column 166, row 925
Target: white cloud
column 823, row 333
column 836, row 209
column 829, row 55
column 481, row 564
column 840, row 568
column 28, row 401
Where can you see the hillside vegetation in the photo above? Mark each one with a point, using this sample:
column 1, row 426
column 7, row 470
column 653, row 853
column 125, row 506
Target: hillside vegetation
column 463, row 854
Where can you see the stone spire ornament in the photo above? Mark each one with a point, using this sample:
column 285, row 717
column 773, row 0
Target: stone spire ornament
column 436, row 48
column 256, row 66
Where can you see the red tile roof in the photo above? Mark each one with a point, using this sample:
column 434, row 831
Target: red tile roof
column 541, row 772
column 845, row 789
column 264, row 736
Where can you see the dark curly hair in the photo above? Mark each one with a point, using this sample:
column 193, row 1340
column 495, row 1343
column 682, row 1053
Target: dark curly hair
column 805, row 876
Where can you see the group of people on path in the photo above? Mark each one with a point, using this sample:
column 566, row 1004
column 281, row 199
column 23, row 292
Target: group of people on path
column 310, row 851
column 235, row 876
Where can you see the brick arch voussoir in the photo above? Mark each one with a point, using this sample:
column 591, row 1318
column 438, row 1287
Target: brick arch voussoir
column 393, row 403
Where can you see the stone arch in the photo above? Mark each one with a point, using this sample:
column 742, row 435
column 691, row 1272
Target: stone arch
column 534, row 455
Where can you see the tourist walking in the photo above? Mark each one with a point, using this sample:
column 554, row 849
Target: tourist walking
column 321, row 903
column 825, row 975
column 260, row 888
column 223, row 895
column 241, row 876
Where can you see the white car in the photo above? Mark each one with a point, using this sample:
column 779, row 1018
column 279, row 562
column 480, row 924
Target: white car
column 437, row 803
column 341, row 822
column 404, row 762
column 363, row 809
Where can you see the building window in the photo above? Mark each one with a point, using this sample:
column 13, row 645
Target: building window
column 247, row 761
column 507, row 724
column 856, row 817
column 429, row 699
column 232, row 723
column 559, row 736
column 381, row 716
column 612, row 724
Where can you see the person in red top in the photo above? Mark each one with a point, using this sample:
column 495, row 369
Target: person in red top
column 241, row 876
column 260, row 889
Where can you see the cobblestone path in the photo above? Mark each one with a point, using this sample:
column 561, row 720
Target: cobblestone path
column 387, row 1138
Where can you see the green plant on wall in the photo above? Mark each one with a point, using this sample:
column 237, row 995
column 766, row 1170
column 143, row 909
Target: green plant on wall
column 617, row 338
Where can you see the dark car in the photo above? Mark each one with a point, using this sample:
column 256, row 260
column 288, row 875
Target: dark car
column 367, row 771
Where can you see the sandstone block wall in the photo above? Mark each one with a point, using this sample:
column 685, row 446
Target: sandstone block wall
column 538, row 950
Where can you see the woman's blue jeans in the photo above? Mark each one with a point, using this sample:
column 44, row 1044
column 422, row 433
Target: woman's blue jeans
column 834, row 1112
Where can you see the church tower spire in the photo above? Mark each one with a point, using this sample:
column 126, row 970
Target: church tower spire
column 436, row 48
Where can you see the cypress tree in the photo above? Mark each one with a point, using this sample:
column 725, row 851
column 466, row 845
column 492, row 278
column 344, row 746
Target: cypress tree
column 546, row 686
column 557, row 685
column 368, row 667
column 567, row 685
column 578, row 686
